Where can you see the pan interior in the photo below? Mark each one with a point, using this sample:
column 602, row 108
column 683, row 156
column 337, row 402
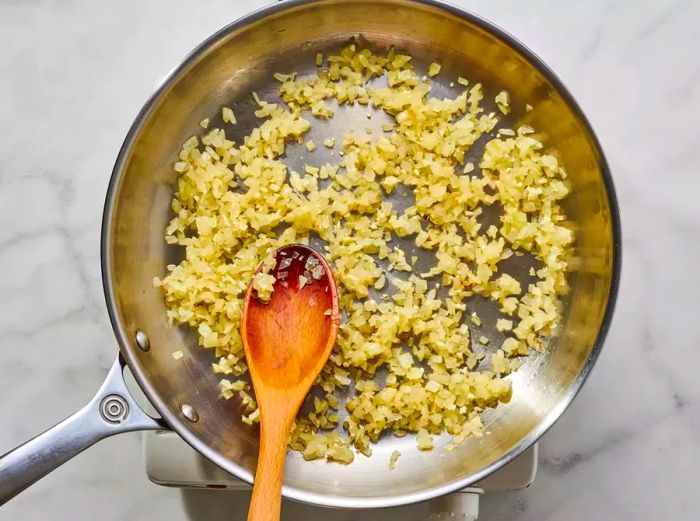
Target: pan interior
column 223, row 72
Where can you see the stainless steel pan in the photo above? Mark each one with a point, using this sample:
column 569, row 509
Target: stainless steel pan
column 222, row 71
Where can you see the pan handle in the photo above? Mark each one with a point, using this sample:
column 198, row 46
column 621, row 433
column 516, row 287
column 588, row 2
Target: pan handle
column 111, row 411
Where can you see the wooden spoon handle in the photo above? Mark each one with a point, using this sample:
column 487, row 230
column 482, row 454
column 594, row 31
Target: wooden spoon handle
column 265, row 504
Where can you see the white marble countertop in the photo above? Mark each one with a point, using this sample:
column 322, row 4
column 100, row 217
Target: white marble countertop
column 73, row 76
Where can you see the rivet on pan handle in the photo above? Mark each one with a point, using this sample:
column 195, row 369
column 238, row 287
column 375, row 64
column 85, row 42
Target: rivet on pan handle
column 111, row 411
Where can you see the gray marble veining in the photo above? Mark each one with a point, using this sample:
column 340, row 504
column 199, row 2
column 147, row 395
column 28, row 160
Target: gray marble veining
column 74, row 74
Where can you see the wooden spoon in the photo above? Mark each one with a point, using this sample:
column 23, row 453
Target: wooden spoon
column 287, row 340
